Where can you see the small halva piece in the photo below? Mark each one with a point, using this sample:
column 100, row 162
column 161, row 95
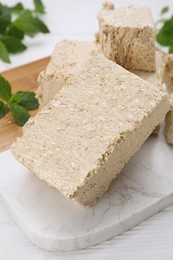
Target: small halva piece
column 81, row 140
column 168, row 72
column 169, row 123
column 127, row 36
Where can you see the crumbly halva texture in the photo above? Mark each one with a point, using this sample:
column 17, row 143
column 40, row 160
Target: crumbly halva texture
column 127, row 36
column 155, row 78
column 168, row 80
column 169, row 123
column 82, row 139
column 168, row 72
column 161, row 59
column 68, row 58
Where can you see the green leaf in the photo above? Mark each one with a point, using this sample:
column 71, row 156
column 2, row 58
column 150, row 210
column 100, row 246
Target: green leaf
column 25, row 99
column 165, row 34
column 17, row 8
column 13, row 45
column 171, row 49
column 4, row 53
column 29, row 24
column 5, row 89
column 5, row 18
column 19, row 114
column 3, row 109
column 14, row 99
column 15, row 32
column 164, row 10
column 39, row 7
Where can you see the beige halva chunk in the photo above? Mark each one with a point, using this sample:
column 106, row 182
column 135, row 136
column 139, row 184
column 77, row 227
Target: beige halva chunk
column 168, row 72
column 168, row 80
column 157, row 77
column 169, row 123
column 82, row 139
column 161, row 60
column 68, row 58
column 127, row 36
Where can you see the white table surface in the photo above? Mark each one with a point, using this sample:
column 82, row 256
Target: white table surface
column 153, row 239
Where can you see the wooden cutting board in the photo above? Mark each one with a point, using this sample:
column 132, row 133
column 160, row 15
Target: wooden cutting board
column 21, row 78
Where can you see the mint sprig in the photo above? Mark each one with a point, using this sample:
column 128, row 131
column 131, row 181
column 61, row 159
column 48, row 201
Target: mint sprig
column 165, row 32
column 18, row 103
column 29, row 24
column 15, row 23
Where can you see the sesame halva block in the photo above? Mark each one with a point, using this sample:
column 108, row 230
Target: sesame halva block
column 127, row 36
column 81, row 140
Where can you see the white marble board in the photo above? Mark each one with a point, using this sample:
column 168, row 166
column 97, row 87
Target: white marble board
column 55, row 223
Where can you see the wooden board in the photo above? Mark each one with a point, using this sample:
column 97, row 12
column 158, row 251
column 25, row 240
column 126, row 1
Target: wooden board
column 21, row 78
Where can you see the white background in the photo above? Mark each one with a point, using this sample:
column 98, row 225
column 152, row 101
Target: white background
column 153, row 239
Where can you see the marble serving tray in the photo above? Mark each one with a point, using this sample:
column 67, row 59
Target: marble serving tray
column 53, row 222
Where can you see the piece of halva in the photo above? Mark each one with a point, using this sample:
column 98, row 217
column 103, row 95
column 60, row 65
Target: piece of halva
column 127, row 36
column 169, row 123
column 68, row 58
column 81, row 140
column 161, row 59
column 168, row 72
column 155, row 78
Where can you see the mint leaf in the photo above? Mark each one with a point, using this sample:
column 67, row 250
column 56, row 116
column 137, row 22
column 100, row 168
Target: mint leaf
column 18, row 103
column 14, row 99
column 13, row 44
column 5, row 89
column 17, row 8
column 5, row 18
column 164, row 10
column 4, row 53
column 25, row 99
column 39, row 7
column 171, row 49
column 19, row 114
column 29, row 24
column 3, row 109
column 15, row 32
column 15, row 22
column 165, row 34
